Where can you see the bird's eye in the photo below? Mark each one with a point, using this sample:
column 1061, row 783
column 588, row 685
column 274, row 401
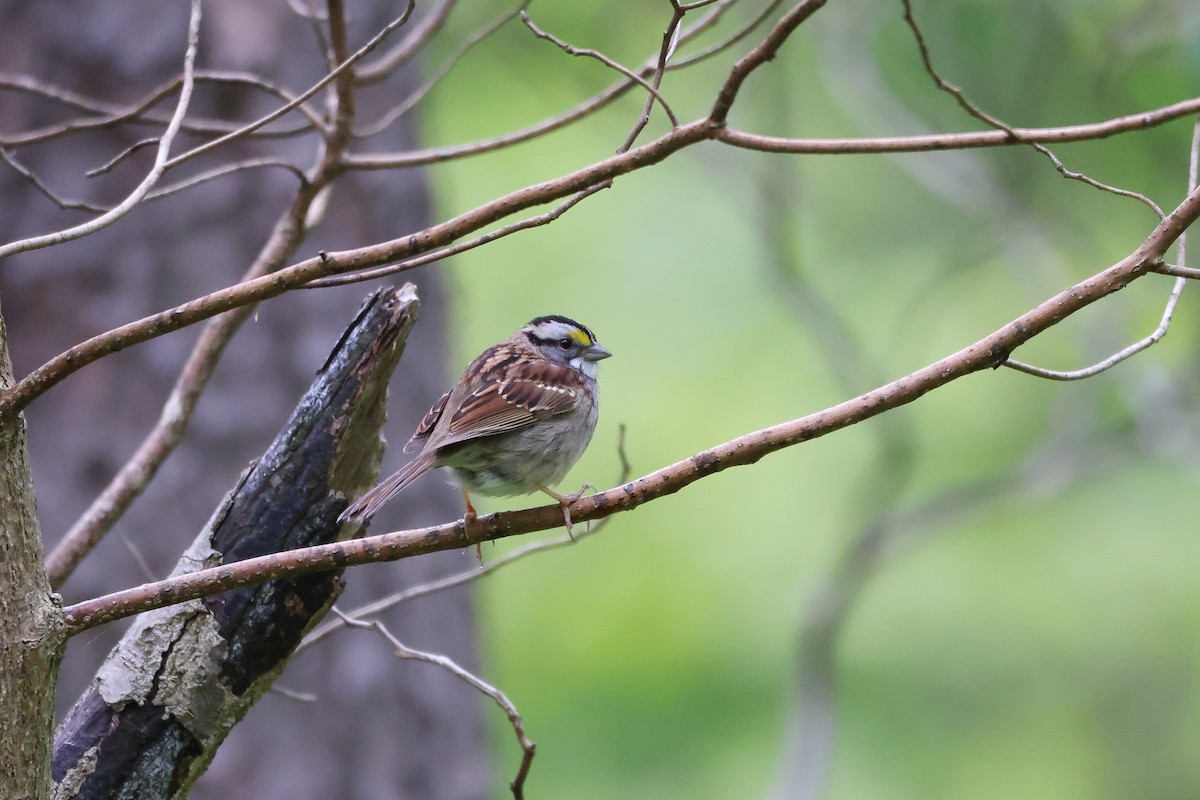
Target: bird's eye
column 565, row 344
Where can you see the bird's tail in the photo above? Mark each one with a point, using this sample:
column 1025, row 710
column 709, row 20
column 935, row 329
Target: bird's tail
column 365, row 507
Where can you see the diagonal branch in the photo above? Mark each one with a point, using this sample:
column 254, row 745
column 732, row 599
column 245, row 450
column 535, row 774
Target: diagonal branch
column 325, row 264
column 766, row 50
column 988, row 352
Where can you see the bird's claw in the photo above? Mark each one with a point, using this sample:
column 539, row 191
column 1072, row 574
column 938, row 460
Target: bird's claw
column 564, row 502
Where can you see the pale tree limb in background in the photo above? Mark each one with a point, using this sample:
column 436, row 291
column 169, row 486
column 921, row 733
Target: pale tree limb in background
column 161, row 161
column 528, row 748
column 342, row 69
column 137, row 472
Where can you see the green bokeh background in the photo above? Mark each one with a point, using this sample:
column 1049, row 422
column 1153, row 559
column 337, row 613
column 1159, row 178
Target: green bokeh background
column 1033, row 627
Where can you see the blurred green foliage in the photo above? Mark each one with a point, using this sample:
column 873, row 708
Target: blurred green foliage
column 1032, row 628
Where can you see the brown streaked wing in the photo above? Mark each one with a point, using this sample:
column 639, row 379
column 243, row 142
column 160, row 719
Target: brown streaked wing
column 528, row 392
column 427, row 423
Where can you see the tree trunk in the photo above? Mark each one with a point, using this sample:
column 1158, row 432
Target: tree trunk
column 31, row 638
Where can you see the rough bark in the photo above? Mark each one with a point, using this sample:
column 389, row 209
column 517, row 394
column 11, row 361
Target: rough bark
column 182, row 677
column 31, row 631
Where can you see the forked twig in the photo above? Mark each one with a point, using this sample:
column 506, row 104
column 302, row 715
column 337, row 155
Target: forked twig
column 528, row 748
column 1168, row 311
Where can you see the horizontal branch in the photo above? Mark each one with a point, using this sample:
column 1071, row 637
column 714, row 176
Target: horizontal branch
column 442, row 234
column 990, row 351
column 960, row 141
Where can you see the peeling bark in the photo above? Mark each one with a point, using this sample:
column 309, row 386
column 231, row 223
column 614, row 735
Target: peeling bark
column 180, row 679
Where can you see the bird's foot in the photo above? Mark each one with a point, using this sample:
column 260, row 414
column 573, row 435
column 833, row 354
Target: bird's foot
column 469, row 518
column 565, row 501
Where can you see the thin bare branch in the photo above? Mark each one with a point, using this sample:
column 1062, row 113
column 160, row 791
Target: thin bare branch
column 446, row 252
column 764, row 52
column 603, row 59
column 528, row 748
column 961, row 141
column 156, row 171
column 1114, row 359
column 1164, row 322
column 140, row 113
column 498, row 22
column 670, row 41
column 61, row 202
column 112, row 163
column 424, row 30
column 226, row 169
column 730, row 40
column 995, row 122
column 329, row 78
column 1175, row 270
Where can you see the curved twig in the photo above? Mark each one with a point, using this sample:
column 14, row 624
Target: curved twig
column 1164, row 322
column 528, row 748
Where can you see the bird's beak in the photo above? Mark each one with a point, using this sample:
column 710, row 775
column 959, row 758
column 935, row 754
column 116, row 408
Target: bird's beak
column 595, row 352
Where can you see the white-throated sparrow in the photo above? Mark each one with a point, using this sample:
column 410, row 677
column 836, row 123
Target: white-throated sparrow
column 517, row 421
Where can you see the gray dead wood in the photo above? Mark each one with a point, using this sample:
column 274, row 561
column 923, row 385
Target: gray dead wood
column 182, row 676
